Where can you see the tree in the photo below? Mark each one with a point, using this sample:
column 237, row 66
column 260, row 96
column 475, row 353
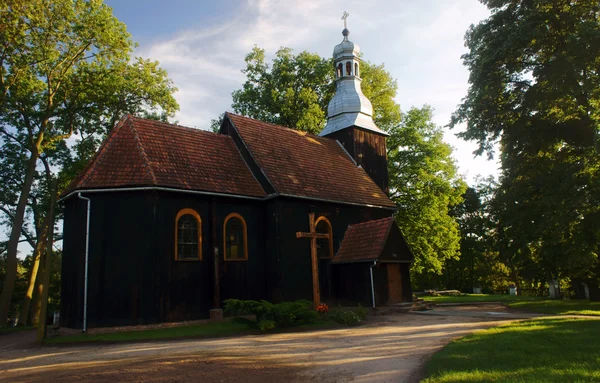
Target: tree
column 295, row 89
column 535, row 89
column 66, row 70
column 425, row 185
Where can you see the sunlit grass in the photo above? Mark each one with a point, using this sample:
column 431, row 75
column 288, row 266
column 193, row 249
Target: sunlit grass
column 542, row 350
column 480, row 298
column 571, row 307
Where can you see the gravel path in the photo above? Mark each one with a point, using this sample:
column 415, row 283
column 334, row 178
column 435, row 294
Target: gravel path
column 389, row 348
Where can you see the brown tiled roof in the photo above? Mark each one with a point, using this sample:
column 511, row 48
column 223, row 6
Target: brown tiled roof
column 364, row 241
column 301, row 164
column 142, row 152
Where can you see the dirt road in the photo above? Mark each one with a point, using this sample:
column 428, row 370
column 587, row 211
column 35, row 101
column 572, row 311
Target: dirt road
column 391, row 348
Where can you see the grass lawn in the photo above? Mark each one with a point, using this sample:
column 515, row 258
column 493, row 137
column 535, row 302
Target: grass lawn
column 572, row 307
column 541, row 350
column 10, row 330
column 534, row 304
column 479, row 298
column 208, row 330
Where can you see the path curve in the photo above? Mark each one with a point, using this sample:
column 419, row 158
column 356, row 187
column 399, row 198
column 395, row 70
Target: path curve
column 390, row 348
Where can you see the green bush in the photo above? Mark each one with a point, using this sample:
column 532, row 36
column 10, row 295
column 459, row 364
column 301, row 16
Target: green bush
column 266, row 325
column 349, row 317
column 270, row 316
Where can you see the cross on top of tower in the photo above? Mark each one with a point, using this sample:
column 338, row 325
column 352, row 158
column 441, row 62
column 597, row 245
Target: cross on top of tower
column 345, row 32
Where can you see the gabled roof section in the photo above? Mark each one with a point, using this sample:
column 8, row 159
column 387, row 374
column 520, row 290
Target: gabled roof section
column 141, row 152
column 304, row 165
column 364, row 242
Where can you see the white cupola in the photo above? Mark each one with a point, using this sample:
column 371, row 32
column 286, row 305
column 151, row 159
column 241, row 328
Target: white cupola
column 349, row 106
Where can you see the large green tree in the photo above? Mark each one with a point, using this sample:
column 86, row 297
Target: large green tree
column 425, row 185
column 66, row 69
column 535, row 89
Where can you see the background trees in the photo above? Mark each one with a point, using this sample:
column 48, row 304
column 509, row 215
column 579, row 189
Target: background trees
column 535, row 90
column 294, row 90
column 66, row 74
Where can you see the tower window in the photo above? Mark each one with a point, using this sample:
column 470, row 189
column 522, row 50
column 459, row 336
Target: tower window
column 348, row 68
column 339, row 70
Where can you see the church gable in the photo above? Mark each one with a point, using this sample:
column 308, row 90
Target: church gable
column 148, row 153
column 299, row 164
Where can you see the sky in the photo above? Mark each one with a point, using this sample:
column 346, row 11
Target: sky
column 202, row 45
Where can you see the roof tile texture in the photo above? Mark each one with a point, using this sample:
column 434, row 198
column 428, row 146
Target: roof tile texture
column 142, row 152
column 302, row 164
column 364, row 241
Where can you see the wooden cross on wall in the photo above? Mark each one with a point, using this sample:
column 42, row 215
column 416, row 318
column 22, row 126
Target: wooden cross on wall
column 313, row 236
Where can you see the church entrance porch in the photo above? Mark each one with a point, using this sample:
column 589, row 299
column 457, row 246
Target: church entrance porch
column 372, row 266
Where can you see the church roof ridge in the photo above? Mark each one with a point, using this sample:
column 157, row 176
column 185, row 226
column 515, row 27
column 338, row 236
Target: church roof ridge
column 297, row 131
column 143, row 152
column 177, row 126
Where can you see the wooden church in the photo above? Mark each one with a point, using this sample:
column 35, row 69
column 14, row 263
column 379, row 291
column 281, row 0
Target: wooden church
column 166, row 222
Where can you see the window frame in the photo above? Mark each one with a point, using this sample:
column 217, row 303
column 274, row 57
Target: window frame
column 330, row 232
column 195, row 214
column 245, row 238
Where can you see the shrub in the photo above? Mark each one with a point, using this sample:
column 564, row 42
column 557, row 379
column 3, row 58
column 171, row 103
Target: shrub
column 349, row 316
column 270, row 316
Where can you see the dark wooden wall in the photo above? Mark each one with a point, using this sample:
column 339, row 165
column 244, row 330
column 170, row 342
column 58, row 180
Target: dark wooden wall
column 133, row 275
column 368, row 150
column 135, row 279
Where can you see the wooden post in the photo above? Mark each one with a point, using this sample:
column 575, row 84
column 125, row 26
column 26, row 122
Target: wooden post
column 313, row 235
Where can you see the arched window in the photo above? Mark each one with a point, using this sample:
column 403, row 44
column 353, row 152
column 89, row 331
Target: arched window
column 235, row 238
column 324, row 246
column 188, row 236
column 348, row 68
column 356, row 69
column 339, row 70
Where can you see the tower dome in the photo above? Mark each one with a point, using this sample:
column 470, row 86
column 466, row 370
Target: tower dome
column 349, row 106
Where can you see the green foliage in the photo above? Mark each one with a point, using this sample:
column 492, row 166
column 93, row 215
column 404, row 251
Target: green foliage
column 270, row 316
column 535, row 89
column 294, row 90
column 543, row 350
column 267, row 325
column 479, row 264
column 425, row 185
column 346, row 316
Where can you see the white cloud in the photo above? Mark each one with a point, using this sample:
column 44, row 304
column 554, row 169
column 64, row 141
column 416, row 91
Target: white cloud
column 420, row 43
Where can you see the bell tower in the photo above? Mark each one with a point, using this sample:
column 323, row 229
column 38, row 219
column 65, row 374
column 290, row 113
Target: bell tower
column 350, row 114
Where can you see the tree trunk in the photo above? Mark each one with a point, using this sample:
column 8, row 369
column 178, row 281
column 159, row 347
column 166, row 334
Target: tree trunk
column 39, row 249
column 32, row 278
column 36, row 307
column 13, row 242
column 47, row 266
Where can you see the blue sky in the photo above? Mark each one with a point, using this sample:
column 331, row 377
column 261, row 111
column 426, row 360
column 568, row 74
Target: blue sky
column 202, row 45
